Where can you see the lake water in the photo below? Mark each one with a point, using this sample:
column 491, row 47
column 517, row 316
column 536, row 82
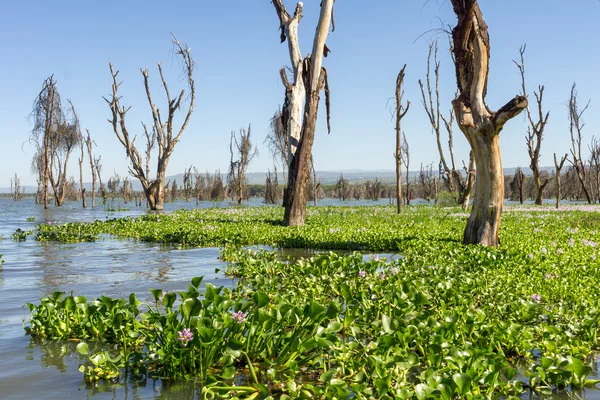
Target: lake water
column 112, row 267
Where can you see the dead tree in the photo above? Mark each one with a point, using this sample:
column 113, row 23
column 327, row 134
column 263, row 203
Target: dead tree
column 342, row 188
column 594, row 170
column 278, row 142
column 453, row 178
column 301, row 104
column 405, row 153
column 17, row 192
column 315, row 183
column 428, row 182
column 400, row 112
column 558, row 166
column 535, row 130
column 242, row 153
column 88, row 143
column 271, row 188
column 471, row 49
column 174, row 191
column 517, row 185
column 81, row 141
column 54, row 138
column 187, row 184
column 166, row 134
column 98, row 167
column 576, row 125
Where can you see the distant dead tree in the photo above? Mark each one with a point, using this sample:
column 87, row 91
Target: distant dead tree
column 81, row 141
column 217, row 188
column 242, row 152
column 399, row 111
column 405, row 154
column 277, row 142
column 535, row 130
column 471, row 49
column 576, row 125
column 453, row 178
column 17, row 192
column 342, row 188
column 187, row 184
column 301, row 103
column 200, row 186
column 594, row 169
column 174, row 191
column 271, row 188
column 427, row 181
column 126, row 190
column 558, row 166
column 517, row 185
column 164, row 131
column 114, row 185
column 373, row 189
column 89, row 143
column 98, row 167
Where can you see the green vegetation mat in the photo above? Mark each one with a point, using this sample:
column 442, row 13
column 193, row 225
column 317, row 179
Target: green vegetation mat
column 439, row 320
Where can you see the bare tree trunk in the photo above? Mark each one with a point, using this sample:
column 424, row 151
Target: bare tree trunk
column 480, row 126
column 406, row 160
column 310, row 75
column 465, row 192
column 88, row 142
column 559, row 166
column 575, row 127
column 398, row 155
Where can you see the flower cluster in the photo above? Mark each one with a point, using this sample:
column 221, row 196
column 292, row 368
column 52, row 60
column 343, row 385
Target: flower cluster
column 536, row 297
column 239, row 316
column 185, row 336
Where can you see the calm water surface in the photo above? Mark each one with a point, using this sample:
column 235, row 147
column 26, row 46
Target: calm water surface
column 112, row 267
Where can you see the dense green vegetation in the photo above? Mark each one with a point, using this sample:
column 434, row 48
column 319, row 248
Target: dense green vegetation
column 440, row 321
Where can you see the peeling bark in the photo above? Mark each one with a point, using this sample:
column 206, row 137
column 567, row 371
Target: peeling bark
column 471, row 48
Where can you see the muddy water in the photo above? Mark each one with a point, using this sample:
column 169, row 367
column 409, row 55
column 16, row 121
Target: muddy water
column 112, row 267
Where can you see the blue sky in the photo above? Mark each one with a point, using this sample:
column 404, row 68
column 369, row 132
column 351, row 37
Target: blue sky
column 236, row 48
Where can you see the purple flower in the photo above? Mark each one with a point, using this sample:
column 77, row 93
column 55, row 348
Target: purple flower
column 394, row 270
column 375, row 257
column 362, row 274
column 185, row 336
column 559, row 251
column 553, row 244
column 544, row 250
column 239, row 317
column 549, row 276
column 536, row 297
column 382, row 276
column 431, row 267
column 571, row 242
column 530, row 255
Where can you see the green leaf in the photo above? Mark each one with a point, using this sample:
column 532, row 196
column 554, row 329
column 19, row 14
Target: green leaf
column 385, row 323
column 334, row 327
column 463, row 382
column 169, row 299
column 82, row 348
column 260, row 299
column 197, row 281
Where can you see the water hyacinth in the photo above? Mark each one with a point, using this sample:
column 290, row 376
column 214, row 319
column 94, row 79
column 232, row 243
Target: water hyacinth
column 239, row 316
column 185, row 336
column 362, row 273
column 536, row 297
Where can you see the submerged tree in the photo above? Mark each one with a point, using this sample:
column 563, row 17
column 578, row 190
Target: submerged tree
column 17, row 192
column 54, row 137
column 89, row 143
column 481, row 126
column 301, row 104
column 400, row 111
column 535, row 130
column 164, row 132
column 242, row 153
column 278, row 142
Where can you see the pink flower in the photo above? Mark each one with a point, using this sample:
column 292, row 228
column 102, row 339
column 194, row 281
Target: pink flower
column 536, row 297
column 185, row 336
column 239, row 317
column 362, row 274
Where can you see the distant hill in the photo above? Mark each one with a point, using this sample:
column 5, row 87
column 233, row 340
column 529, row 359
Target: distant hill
column 327, row 177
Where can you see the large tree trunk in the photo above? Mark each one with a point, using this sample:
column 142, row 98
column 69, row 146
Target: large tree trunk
column 481, row 126
column 484, row 221
column 314, row 77
column 399, row 115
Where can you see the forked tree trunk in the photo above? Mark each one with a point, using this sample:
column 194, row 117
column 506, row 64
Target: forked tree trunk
column 481, row 126
column 314, row 78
